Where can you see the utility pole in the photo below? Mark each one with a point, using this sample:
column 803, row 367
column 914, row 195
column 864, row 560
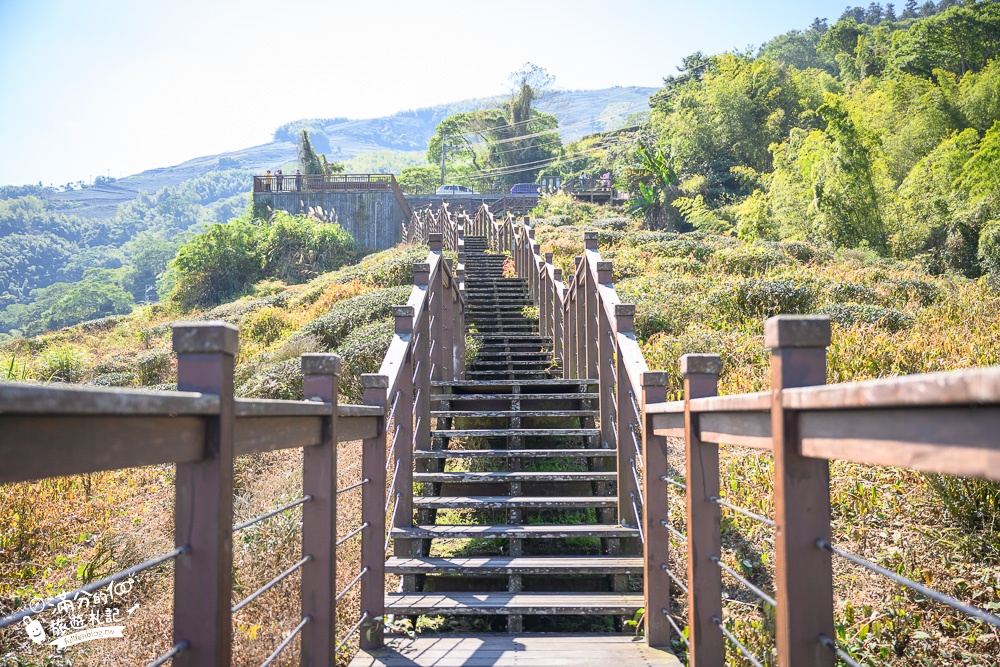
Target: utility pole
column 444, row 150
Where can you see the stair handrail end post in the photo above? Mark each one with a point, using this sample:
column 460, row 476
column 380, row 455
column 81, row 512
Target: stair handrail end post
column 700, row 373
column 320, row 376
column 203, row 509
column 803, row 573
column 656, row 550
column 375, row 387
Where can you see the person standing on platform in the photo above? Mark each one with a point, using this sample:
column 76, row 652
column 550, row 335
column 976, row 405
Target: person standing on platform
column 267, row 181
column 298, row 179
column 278, row 178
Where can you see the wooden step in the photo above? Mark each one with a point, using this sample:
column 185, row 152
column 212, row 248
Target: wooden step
column 505, row 502
column 511, row 362
column 510, row 397
column 503, row 603
column 513, row 476
column 515, row 650
column 577, row 453
column 554, row 382
column 530, row 531
column 514, row 413
column 504, row 432
column 491, row 565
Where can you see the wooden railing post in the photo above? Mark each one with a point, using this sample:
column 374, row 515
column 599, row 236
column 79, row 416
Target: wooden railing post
column 628, row 453
column 319, row 517
column 656, row 543
column 558, row 344
column 203, row 510
column 590, row 304
column 803, row 573
column 373, row 516
column 704, row 531
column 437, row 294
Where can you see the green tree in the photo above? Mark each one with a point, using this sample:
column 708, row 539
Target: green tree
column 418, row 180
column 309, row 162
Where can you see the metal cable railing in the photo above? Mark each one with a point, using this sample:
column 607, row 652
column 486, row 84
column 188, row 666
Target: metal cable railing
column 736, row 575
column 177, row 648
column 677, row 629
column 93, row 586
column 351, row 632
column 840, row 653
column 638, row 518
column 354, row 582
column 356, row 485
column 673, row 577
column 268, row 515
column 674, row 482
column 281, row 647
column 638, row 484
column 673, row 531
column 271, row 584
column 356, row 531
column 739, row 510
column 737, row 643
column 967, row 609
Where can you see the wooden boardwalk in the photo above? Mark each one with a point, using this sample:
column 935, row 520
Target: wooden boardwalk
column 521, row 650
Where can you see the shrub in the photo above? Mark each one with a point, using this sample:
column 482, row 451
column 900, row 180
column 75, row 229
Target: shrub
column 227, row 260
column 153, row 367
column 681, row 247
column 268, row 288
column 989, row 249
column 282, row 380
column 113, row 380
column 846, row 314
column 612, row 222
column 800, row 252
column 920, row 291
column 761, row 299
column 852, row 292
column 974, row 505
column 265, row 326
column 66, row 363
column 350, row 314
column 362, row 351
column 750, row 260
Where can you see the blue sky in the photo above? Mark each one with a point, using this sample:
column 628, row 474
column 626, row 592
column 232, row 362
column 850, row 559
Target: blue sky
column 116, row 87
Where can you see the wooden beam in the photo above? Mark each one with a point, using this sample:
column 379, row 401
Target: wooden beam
column 742, row 429
column 36, row 446
column 950, row 441
column 266, row 434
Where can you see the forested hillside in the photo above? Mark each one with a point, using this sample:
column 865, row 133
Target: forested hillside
column 879, row 131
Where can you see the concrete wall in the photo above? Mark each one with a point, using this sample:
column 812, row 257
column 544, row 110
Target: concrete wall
column 374, row 218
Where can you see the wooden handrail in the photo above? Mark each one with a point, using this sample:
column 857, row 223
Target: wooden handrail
column 54, row 430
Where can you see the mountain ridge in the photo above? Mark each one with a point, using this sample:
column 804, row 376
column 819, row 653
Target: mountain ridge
column 581, row 112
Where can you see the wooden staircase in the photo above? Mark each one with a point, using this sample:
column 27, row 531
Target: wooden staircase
column 517, row 469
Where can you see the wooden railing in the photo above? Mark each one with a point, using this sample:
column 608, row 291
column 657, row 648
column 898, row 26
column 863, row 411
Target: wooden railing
column 428, row 345
column 323, row 182
column 938, row 423
column 53, row 431
column 942, row 423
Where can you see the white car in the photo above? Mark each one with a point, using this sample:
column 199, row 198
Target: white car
column 455, row 190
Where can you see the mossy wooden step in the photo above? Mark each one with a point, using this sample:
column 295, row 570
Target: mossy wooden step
column 514, row 453
column 505, row 502
column 530, row 531
column 503, row 603
column 504, row 432
column 513, row 476
column 554, row 382
column 510, row 397
column 513, row 413
column 492, row 565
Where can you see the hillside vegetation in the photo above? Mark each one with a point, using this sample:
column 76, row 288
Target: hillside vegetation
column 710, row 293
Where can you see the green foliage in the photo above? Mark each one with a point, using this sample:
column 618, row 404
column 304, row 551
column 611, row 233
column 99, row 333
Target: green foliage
column 847, row 314
column 349, row 314
column 65, row 363
column 266, row 325
column 362, row 351
column 757, row 299
column 418, row 180
column 974, row 506
column 227, row 260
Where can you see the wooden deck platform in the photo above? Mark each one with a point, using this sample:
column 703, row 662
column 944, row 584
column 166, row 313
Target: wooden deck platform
column 522, row 650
